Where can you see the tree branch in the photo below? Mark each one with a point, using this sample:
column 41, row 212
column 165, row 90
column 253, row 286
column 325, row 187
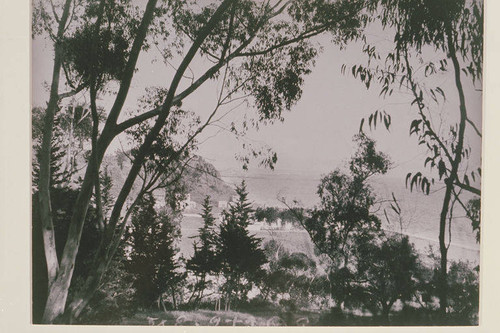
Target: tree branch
column 71, row 93
column 467, row 187
column 164, row 112
column 56, row 17
column 282, row 44
column 130, row 66
column 413, row 87
column 474, row 127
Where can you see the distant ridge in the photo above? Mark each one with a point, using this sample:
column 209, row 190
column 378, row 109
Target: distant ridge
column 200, row 179
column 203, row 179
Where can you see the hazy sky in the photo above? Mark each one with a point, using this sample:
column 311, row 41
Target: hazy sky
column 316, row 135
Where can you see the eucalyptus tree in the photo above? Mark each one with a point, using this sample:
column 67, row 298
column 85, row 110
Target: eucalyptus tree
column 260, row 50
column 450, row 32
column 345, row 221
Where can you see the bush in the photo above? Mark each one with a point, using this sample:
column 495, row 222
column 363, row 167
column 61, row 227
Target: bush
column 289, row 277
column 463, row 299
column 114, row 300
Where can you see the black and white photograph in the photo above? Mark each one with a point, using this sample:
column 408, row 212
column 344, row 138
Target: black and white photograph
column 256, row 162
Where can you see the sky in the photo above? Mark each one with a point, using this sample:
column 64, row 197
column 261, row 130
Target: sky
column 316, row 135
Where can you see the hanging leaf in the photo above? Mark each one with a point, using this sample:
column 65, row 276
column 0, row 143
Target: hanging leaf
column 466, row 180
column 395, row 201
column 414, row 126
column 441, row 92
column 415, row 180
column 441, row 169
column 387, row 217
column 387, row 121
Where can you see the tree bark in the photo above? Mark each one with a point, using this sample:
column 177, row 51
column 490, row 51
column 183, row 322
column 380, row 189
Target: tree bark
column 58, row 291
column 44, row 157
column 83, row 297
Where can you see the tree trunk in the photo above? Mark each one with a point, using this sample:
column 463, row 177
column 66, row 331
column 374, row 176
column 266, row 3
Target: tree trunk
column 385, row 315
column 443, row 276
column 386, row 310
column 112, row 238
column 74, row 310
column 174, row 300
column 56, row 302
column 85, row 294
column 443, row 249
column 44, row 157
column 58, row 290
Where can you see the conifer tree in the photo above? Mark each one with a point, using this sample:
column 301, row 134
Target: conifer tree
column 204, row 260
column 58, row 176
column 153, row 257
column 240, row 253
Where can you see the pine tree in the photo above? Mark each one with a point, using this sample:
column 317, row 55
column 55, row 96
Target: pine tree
column 204, row 260
column 240, row 253
column 240, row 210
column 153, row 258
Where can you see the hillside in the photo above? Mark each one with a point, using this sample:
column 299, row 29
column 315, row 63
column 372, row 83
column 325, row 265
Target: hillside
column 203, row 179
column 200, row 179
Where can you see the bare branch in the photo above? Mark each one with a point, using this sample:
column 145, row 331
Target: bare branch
column 467, row 187
column 474, row 127
column 284, row 43
column 56, row 17
column 71, row 93
column 97, row 183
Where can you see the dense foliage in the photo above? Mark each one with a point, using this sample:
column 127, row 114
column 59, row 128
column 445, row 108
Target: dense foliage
column 257, row 53
column 344, row 223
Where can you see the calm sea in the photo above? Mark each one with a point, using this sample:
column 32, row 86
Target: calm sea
column 420, row 213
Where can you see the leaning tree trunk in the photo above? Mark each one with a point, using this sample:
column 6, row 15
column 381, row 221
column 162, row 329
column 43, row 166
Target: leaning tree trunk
column 45, row 156
column 58, row 290
column 57, row 296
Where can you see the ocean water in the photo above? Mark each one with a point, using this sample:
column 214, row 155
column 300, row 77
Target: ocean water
column 420, row 213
